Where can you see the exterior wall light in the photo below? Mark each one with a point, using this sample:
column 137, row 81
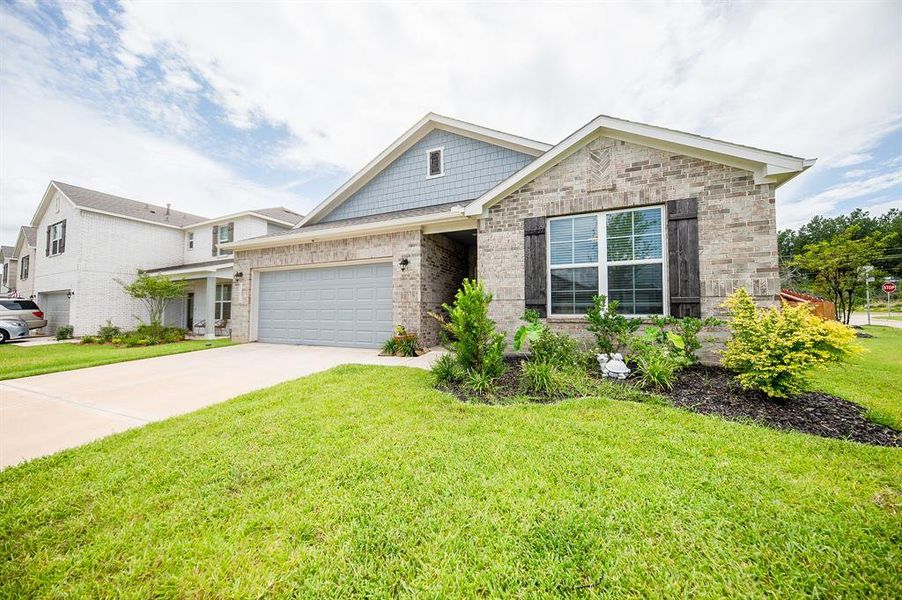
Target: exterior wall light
column 403, row 263
column 70, row 293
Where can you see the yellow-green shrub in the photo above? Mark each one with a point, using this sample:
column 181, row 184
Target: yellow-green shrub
column 772, row 349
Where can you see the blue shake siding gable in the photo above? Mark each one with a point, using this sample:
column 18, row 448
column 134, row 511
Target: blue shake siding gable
column 472, row 167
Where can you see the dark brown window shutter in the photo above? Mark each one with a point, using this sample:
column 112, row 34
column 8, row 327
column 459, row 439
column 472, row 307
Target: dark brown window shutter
column 216, row 240
column 62, row 237
column 47, row 247
column 232, row 232
column 535, row 276
column 682, row 242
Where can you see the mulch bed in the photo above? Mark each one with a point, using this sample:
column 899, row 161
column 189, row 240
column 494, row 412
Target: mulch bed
column 714, row 391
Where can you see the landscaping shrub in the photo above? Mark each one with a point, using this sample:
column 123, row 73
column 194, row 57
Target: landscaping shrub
column 107, row 332
column 401, row 343
column 89, row 339
column 554, row 382
column 531, row 331
column 611, row 329
column 446, row 371
column 656, row 369
column 772, row 350
column 64, row 332
column 476, row 345
column 688, row 329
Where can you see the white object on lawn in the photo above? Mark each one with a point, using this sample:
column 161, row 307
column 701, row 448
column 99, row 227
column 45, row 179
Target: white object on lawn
column 612, row 366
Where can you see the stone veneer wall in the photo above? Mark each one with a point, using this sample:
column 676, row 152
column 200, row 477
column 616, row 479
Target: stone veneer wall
column 736, row 219
column 444, row 266
column 406, row 292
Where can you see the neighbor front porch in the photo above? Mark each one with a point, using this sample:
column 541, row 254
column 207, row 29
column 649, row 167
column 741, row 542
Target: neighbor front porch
column 206, row 308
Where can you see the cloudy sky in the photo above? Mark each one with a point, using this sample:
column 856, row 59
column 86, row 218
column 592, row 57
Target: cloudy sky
column 218, row 107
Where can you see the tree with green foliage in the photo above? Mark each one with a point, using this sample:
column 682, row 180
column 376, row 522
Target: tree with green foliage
column 155, row 291
column 835, row 266
column 820, row 229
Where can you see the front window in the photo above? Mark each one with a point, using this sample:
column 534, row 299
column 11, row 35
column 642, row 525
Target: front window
column 56, row 238
column 190, row 240
column 24, row 269
column 619, row 254
column 224, row 236
column 224, row 301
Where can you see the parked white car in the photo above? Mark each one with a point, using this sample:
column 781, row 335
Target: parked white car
column 12, row 329
column 27, row 310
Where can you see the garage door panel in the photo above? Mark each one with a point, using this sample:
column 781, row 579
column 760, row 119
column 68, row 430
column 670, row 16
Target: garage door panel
column 55, row 306
column 345, row 306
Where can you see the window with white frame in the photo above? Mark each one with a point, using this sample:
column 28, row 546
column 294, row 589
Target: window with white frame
column 435, row 162
column 190, row 240
column 223, row 310
column 25, row 266
column 57, row 231
column 224, row 236
column 619, row 254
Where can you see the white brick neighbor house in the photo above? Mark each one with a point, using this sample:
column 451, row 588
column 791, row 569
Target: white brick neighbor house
column 24, row 251
column 87, row 241
column 664, row 221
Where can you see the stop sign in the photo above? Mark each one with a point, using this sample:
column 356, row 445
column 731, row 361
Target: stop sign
column 889, row 287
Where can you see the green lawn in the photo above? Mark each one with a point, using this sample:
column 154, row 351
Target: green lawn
column 363, row 481
column 873, row 378
column 37, row 360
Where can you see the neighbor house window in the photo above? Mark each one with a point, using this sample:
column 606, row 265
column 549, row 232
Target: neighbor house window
column 224, row 235
column 24, row 269
column 619, row 254
column 190, row 240
column 435, row 162
column 223, row 301
column 57, row 238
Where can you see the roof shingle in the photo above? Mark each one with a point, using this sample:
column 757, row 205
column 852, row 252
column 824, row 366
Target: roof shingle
column 126, row 207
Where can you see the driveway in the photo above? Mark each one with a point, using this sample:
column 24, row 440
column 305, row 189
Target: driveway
column 43, row 414
column 862, row 319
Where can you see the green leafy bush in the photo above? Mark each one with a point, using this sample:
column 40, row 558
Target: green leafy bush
column 611, row 329
column 107, row 332
column 552, row 381
column 531, row 331
column 401, row 343
column 772, row 350
column 480, row 383
column 89, row 339
column 656, row 369
column 64, row 332
column 477, row 346
column 446, row 371
column 688, row 329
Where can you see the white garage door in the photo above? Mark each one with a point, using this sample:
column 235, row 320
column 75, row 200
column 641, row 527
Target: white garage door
column 331, row 306
column 56, row 309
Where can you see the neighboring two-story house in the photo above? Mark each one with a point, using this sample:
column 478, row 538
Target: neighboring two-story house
column 88, row 242
column 24, row 251
column 665, row 222
column 8, row 273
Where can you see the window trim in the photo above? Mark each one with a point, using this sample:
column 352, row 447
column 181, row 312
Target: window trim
column 602, row 234
column 218, row 304
column 190, row 240
column 58, row 226
column 24, row 267
column 441, row 162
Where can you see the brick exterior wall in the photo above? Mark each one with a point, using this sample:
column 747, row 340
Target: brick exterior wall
column 445, row 264
column 736, row 219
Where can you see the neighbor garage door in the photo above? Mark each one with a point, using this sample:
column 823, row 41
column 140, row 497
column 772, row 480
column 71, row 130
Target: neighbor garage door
column 332, row 306
column 56, row 309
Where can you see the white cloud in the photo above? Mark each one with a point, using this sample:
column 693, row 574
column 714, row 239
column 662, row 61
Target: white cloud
column 805, row 78
column 88, row 150
column 796, row 213
column 346, row 79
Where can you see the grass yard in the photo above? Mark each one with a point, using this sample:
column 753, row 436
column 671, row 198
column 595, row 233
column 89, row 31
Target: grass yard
column 872, row 379
column 364, row 481
column 50, row 358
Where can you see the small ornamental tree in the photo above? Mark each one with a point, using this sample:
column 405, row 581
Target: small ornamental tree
column 836, row 265
column 773, row 349
column 155, row 291
column 477, row 345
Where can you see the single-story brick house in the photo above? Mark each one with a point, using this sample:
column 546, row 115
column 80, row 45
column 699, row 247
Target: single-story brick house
column 666, row 222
